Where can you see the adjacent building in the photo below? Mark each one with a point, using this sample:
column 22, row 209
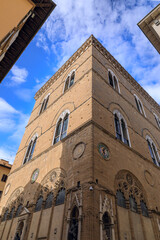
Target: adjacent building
column 88, row 164
column 5, row 168
column 150, row 26
column 19, row 22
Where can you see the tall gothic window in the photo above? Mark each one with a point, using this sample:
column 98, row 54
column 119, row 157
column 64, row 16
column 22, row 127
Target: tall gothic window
column 157, row 120
column 11, row 213
column 121, row 128
column 61, row 127
column 107, row 227
column 60, row 197
column 39, row 204
column 113, row 81
column 49, row 201
column 133, row 204
column 69, row 80
column 19, row 209
column 5, row 215
column 44, row 104
column 139, row 105
column 153, row 151
column 120, row 199
column 144, row 209
column 73, row 227
column 30, row 149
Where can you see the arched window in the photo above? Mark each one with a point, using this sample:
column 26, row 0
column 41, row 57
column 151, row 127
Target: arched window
column 49, row 201
column 30, row 149
column 5, row 215
column 113, row 81
column 61, row 127
column 139, row 105
column 69, row 80
column 121, row 128
column 153, row 151
column 19, row 209
column 39, row 204
column 73, row 227
column 44, row 104
column 19, row 231
column 144, row 209
column 157, row 120
column 60, row 197
column 107, row 226
column 11, row 213
column 133, row 204
column 120, row 199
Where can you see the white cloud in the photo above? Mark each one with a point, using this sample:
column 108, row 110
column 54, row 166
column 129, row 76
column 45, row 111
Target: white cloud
column 114, row 23
column 12, row 126
column 19, row 75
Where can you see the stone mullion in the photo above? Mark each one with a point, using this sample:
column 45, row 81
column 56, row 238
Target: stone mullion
column 117, row 220
column 50, row 221
column 142, row 223
column 39, row 222
column 154, row 224
column 130, row 221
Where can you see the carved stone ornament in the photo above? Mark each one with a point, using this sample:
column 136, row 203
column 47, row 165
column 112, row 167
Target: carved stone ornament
column 7, row 188
column 149, row 178
column 127, row 183
column 54, row 176
column 78, row 150
column 34, row 175
column 103, row 150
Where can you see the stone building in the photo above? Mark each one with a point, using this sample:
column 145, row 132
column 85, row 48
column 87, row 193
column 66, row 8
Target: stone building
column 5, row 168
column 88, row 165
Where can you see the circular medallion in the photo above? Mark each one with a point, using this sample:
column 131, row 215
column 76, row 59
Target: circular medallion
column 7, row 189
column 34, row 175
column 149, row 178
column 53, row 176
column 78, row 150
column 103, row 150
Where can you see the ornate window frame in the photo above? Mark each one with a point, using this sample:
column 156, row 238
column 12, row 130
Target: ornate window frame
column 139, row 105
column 62, row 118
column 157, row 119
column 120, row 118
column 30, row 149
column 68, row 81
column 44, row 104
column 114, row 78
column 154, row 151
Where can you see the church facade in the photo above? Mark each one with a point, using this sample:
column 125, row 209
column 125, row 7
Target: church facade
column 88, row 164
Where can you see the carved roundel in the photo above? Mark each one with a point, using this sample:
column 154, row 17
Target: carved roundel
column 34, row 175
column 7, row 188
column 103, row 150
column 149, row 178
column 78, row 150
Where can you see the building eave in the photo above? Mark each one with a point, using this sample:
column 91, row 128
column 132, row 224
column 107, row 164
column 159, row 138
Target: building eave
column 40, row 12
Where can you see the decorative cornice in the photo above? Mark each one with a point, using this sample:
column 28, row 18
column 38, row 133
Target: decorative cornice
column 93, row 41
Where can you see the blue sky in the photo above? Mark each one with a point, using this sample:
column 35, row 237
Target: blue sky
column 112, row 22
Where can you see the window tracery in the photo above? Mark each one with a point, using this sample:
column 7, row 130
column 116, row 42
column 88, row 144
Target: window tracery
column 44, row 104
column 121, row 128
column 153, row 151
column 30, row 149
column 129, row 188
column 139, row 105
column 61, row 127
column 113, row 81
column 69, row 80
column 19, row 209
column 49, row 200
column 157, row 120
column 60, row 197
column 39, row 204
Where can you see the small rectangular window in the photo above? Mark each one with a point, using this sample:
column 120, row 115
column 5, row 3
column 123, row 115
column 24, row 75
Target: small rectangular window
column 4, row 178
